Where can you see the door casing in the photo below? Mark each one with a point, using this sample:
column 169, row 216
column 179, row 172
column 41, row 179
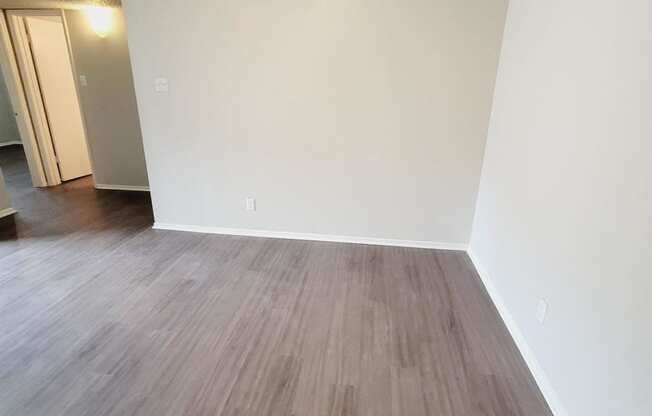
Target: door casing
column 40, row 153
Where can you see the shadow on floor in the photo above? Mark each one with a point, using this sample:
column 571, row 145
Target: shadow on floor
column 74, row 207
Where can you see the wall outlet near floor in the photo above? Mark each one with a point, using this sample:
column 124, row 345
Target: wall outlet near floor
column 250, row 204
column 83, row 81
column 542, row 310
column 161, row 85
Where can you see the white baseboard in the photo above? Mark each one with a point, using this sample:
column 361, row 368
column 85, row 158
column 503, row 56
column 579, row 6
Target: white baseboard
column 310, row 237
column 542, row 380
column 122, row 187
column 10, row 143
column 7, row 212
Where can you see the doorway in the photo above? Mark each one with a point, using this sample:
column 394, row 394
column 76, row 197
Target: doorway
column 45, row 88
column 98, row 73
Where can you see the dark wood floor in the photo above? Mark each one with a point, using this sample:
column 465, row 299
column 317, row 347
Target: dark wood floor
column 101, row 315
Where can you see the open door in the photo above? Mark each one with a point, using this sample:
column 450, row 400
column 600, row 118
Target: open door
column 57, row 85
column 11, row 74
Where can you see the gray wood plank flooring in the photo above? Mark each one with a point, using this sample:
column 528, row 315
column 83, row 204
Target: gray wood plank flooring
column 101, row 315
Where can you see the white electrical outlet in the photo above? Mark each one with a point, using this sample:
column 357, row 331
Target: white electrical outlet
column 161, row 85
column 83, row 81
column 542, row 310
column 251, row 204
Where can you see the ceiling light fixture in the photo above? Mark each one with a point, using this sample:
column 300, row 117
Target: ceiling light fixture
column 100, row 19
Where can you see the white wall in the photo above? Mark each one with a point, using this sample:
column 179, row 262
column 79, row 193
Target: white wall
column 108, row 102
column 8, row 127
column 361, row 118
column 565, row 204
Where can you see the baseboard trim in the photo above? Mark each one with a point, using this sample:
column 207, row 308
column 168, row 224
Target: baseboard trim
column 542, row 380
column 10, row 143
column 122, row 187
column 310, row 237
column 7, row 212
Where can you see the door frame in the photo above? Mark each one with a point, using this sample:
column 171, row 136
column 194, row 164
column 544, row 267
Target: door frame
column 18, row 99
column 31, row 92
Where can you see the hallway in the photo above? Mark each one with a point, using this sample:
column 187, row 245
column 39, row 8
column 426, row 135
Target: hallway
column 61, row 209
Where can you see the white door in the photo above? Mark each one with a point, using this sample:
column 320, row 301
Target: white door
column 57, row 85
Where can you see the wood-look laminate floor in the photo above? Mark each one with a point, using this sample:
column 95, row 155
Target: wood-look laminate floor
column 101, row 315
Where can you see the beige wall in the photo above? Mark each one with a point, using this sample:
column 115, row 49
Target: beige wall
column 8, row 127
column 356, row 118
column 108, row 101
column 565, row 205
column 4, row 195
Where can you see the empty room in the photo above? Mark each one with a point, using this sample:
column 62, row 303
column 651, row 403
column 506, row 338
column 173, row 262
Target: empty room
column 326, row 207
